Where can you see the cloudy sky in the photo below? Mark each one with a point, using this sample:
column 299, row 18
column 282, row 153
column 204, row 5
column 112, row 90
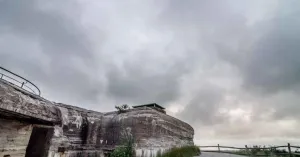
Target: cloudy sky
column 230, row 68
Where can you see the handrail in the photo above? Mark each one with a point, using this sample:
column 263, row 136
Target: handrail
column 29, row 88
column 250, row 149
column 230, row 147
column 23, row 84
column 295, row 146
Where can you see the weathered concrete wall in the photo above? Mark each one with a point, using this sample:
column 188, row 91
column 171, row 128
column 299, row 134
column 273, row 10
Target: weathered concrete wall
column 14, row 137
column 22, row 105
column 78, row 133
column 153, row 131
column 81, row 132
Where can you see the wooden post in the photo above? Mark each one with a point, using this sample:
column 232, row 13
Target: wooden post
column 289, row 147
column 219, row 148
column 274, row 151
column 247, row 150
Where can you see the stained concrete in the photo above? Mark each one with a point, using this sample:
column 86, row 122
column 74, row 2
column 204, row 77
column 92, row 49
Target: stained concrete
column 14, row 137
column 71, row 131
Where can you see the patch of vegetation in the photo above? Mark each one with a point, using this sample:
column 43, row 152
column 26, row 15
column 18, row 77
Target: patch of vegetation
column 122, row 152
column 126, row 148
column 186, row 151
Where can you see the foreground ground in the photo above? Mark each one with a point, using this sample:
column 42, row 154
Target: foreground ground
column 208, row 154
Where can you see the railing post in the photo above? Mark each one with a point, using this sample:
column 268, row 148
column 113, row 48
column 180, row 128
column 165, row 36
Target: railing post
column 219, row 148
column 22, row 85
column 289, row 148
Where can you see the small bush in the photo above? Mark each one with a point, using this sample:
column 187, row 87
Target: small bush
column 187, row 151
column 121, row 152
column 126, row 148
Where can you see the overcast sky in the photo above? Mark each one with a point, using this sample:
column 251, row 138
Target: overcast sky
column 230, row 68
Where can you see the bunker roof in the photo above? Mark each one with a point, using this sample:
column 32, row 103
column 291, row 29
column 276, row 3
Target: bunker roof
column 149, row 105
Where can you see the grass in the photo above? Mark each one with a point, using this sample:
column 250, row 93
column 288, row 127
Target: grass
column 122, row 152
column 186, row 151
column 126, row 148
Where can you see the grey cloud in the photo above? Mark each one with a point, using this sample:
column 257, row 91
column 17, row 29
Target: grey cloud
column 49, row 48
column 269, row 129
column 207, row 21
column 206, row 24
column 274, row 63
column 61, row 59
column 147, row 80
column 284, row 104
column 269, row 63
column 265, row 55
column 58, row 34
column 203, row 107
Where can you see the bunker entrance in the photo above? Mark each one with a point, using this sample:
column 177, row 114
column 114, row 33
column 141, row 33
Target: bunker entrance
column 39, row 141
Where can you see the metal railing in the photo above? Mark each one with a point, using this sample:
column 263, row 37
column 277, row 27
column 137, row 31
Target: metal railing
column 19, row 81
column 256, row 150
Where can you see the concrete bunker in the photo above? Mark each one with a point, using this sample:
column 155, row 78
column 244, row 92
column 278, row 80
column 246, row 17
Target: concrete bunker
column 32, row 126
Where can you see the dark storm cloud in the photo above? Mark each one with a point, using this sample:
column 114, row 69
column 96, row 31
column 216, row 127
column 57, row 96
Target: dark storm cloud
column 267, row 53
column 274, row 63
column 270, row 63
column 47, row 47
column 146, row 80
column 55, row 51
column 135, row 85
column 58, row 34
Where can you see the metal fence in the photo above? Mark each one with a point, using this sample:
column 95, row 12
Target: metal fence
column 283, row 150
column 19, row 81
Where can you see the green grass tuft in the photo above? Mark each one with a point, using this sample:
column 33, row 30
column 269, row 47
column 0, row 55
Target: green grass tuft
column 186, row 151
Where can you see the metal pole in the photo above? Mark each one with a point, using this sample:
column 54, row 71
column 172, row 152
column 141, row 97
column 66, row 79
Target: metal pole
column 219, row 148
